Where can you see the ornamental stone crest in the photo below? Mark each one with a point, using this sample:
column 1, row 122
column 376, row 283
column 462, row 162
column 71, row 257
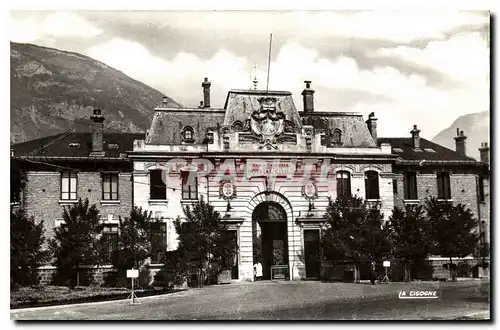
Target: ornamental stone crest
column 267, row 123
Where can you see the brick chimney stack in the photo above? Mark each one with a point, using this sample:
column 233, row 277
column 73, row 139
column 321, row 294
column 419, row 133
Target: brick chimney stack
column 164, row 101
column 460, row 145
column 484, row 152
column 206, row 93
column 308, row 97
column 372, row 126
column 97, row 130
column 415, row 135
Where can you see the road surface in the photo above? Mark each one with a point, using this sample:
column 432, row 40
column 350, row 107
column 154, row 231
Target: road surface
column 288, row 301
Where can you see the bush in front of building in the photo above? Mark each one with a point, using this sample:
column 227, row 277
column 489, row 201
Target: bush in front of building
column 26, row 249
column 173, row 272
column 411, row 239
column 204, row 249
column 453, row 230
column 76, row 244
column 132, row 248
column 355, row 233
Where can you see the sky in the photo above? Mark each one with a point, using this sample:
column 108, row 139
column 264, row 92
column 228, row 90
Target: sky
column 409, row 67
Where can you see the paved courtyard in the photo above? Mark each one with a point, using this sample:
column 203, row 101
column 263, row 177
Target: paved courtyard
column 287, row 301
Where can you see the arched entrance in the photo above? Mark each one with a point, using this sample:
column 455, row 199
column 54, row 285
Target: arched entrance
column 270, row 238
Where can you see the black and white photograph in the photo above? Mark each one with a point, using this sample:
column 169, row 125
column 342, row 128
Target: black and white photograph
column 272, row 165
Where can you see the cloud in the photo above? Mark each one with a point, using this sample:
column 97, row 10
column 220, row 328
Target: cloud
column 423, row 68
column 403, row 99
column 463, row 56
column 54, row 25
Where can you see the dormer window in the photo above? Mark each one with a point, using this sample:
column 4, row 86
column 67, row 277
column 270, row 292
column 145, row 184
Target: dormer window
column 188, row 134
column 237, row 126
column 337, row 137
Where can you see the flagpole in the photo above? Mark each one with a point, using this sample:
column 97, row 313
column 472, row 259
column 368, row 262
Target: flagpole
column 269, row 61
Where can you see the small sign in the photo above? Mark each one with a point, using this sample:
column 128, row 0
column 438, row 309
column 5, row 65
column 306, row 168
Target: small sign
column 387, row 264
column 132, row 273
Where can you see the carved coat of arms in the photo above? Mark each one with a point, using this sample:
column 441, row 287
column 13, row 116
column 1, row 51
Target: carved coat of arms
column 267, row 123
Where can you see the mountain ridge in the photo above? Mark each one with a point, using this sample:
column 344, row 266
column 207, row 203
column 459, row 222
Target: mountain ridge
column 54, row 90
column 476, row 127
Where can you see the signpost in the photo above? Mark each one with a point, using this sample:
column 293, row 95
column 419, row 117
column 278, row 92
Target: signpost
column 133, row 273
column 386, row 265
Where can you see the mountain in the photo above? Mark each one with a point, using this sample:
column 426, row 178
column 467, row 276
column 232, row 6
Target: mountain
column 476, row 127
column 54, row 90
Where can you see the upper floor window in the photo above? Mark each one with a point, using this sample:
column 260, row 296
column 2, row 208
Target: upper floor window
column 188, row 134
column 343, row 184
column 337, row 136
column 481, row 189
column 110, row 186
column 189, row 185
column 410, row 185
column 68, row 185
column 371, row 185
column 157, row 185
column 158, row 242
column 443, row 185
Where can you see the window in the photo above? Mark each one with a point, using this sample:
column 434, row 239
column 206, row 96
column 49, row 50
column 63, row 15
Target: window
column 395, row 186
column 189, row 185
column 371, row 185
column 337, row 136
column 481, row 189
column 343, row 184
column 443, row 183
column 410, row 185
column 110, row 242
column 157, row 186
column 188, row 134
column 68, row 185
column 110, row 186
column 158, row 242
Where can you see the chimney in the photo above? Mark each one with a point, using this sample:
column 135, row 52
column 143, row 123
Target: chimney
column 206, row 92
column 308, row 97
column 484, row 152
column 372, row 126
column 97, row 128
column 415, row 137
column 460, row 142
column 164, row 102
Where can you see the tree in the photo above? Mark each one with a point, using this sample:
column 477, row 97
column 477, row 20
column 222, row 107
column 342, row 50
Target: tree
column 174, row 270
column 355, row 232
column 453, row 229
column 26, row 249
column 76, row 242
column 410, row 236
column 133, row 242
column 201, row 239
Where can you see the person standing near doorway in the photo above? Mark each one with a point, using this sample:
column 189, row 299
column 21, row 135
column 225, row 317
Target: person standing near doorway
column 257, row 269
column 373, row 274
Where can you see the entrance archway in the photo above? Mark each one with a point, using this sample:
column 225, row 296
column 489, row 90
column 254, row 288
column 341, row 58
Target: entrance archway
column 270, row 237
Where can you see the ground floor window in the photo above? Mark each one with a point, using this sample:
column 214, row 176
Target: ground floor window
column 110, row 242
column 158, row 242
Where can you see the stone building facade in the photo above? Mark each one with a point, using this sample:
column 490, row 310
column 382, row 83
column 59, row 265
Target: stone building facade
column 265, row 166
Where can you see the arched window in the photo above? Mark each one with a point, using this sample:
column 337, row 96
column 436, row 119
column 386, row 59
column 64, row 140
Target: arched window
column 371, row 185
column 188, row 134
column 343, row 184
column 337, row 137
column 237, row 126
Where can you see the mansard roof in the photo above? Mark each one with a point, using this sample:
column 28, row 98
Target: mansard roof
column 240, row 104
column 352, row 127
column 168, row 124
column 73, row 144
